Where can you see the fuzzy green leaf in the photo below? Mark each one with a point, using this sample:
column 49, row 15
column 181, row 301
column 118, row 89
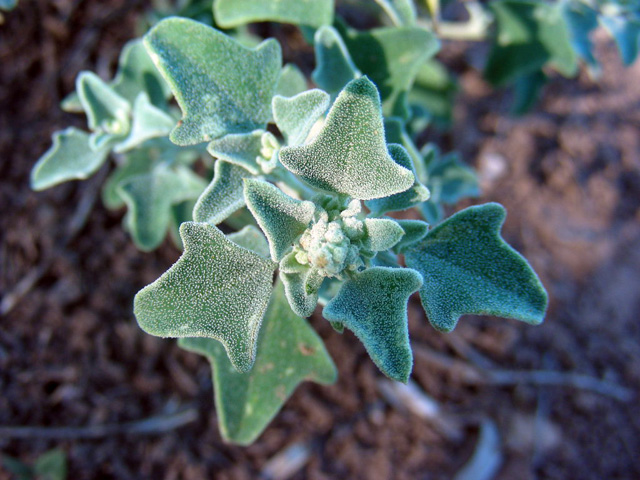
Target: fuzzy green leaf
column 251, row 238
column 223, row 196
column 221, row 86
column 415, row 195
column 149, row 198
column 291, row 81
column 106, row 110
column 381, row 233
column 216, row 290
column 281, row 218
column 314, row 13
column 349, row 156
column 301, row 289
column 529, row 34
column 334, row 67
column 239, row 148
column 71, row 157
column 136, row 162
column 391, row 57
column 295, row 116
column 289, row 352
column 469, row 269
column 414, row 231
column 148, row 122
column 373, row 304
column 401, row 12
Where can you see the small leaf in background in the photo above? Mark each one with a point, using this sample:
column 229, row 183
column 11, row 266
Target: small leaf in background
column 149, row 198
column 391, row 57
column 51, row 465
column 21, row 470
column 8, row 4
column 527, row 91
column 106, row 110
column 221, row 86
column 295, row 116
column 469, row 269
column 148, row 122
column 626, row 33
column 453, row 179
column 415, row 195
column 529, row 35
column 433, row 94
column 216, row 290
column 223, row 196
column 401, row 12
column 291, row 82
column 581, row 20
column 381, row 234
column 251, row 238
column 302, row 288
column 71, row 157
column 289, row 352
column 240, row 149
column 373, row 304
column 282, row 218
column 349, row 156
column 313, row 13
column 334, row 66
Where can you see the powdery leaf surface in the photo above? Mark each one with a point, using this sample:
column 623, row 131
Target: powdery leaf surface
column 282, row 218
column 414, row 231
column 223, row 196
column 296, row 115
column 239, row 148
column 71, row 157
column 313, row 13
column 251, row 238
column 381, row 233
column 469, row 269
column 291, row 82
column 373, row 304
column 221, row 86
column 301, row 289
column 216, row 290
column 349, row 156
column 148, row 122
column 106, row 110
column 289, row 352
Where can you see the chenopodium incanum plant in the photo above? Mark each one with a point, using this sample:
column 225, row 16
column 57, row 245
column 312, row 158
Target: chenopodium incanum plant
column 318, row 184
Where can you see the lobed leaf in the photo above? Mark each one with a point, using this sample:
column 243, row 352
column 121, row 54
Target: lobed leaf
column 314, row 13
column 221, row 86
column 291, row 81
column 381, row 234
column 373, row 304
column 289, row 352
column 106, row 110
column 469, row 269
column 282, row 218
column 216, row 290
column 296, row 115
column 349, row 156
column 334, row 68
column 71, row 157
column 302, row 289
column 223, row 196
column 411, row 197
column 148, row 122
column 240, row 149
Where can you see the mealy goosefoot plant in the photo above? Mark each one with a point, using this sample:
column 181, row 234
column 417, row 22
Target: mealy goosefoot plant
column 304, row 180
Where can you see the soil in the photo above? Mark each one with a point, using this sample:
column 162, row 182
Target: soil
column 72, row 355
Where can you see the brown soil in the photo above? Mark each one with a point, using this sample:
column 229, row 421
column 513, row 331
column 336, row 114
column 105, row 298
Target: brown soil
column 71, row 353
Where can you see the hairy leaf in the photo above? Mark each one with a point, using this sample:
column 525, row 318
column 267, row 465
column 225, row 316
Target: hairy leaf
column 289, row 352
column 381, row 233
column 334, row 68
column 216, row 290
column 239, row 148
column 106, row 110
column 281, row 218
column 529, row 34
column 71, row 157
column 148, row 122
column 251, row 238
column 291, row 81
column 469, row 269
column 295, row 116
column 373, row 304
column 149, row 198
column 221, row 86
column 223, row 196
column 414, row 231
column 314, row 13
column 415, row 195
column 349, row 156
column 391, row 57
